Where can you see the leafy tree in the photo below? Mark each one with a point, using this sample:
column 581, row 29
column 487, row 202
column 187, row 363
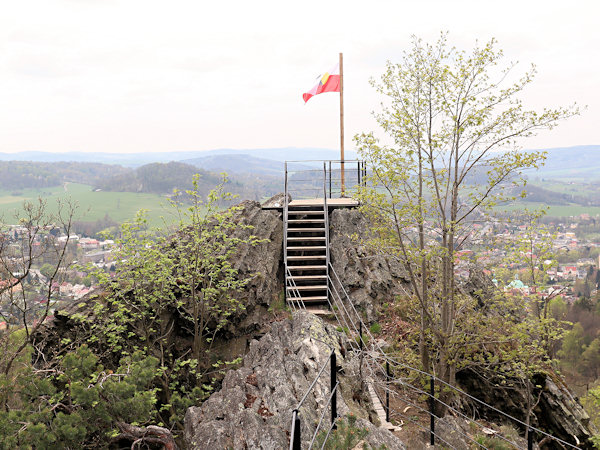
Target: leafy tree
column 205, row 252
column 24, row 306
column 454, row 119
column 572, row 345
column 168, row 286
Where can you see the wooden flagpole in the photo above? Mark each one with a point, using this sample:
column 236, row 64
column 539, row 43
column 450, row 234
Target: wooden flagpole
column 342, row 122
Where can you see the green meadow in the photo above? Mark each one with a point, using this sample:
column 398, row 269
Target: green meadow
column 120, row 206
column 553, row 210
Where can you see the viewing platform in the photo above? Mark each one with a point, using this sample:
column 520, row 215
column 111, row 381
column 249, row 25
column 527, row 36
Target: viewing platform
column 312, row 189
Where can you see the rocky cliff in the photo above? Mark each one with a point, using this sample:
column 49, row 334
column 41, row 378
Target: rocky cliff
column 254, row 407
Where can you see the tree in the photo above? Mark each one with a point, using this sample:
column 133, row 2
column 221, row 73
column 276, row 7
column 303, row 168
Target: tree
column 170, row 285
column 25, row 306
column 455, row 121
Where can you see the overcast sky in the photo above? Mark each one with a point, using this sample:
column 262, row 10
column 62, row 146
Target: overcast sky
column 143, row 76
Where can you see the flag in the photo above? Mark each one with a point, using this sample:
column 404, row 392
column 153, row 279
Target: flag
column 329, row 82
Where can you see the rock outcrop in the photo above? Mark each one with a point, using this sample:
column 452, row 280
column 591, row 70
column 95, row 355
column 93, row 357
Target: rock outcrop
column 263, row 263
column 557, row 413
column 369, row 279
column 254, row 407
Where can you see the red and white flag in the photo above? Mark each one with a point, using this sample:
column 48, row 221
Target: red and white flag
column 329, row 82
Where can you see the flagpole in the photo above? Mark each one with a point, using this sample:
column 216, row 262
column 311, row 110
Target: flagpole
column 342, row 122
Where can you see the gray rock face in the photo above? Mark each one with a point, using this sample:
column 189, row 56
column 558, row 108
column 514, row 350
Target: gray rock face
column 277, row 201
column 558, row 412
column 254, row 407
column 262, row 262
column 369, row 279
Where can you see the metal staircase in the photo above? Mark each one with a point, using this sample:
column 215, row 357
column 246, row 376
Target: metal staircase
column 306, row 226
column 307, row 252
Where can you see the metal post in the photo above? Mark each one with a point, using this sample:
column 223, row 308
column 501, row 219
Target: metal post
column 358, row 172
column 387, row 391
column 333, row 372
column 529, row 439
column 295, row 438
column 330, row 173
column 432, row 411
column 360, row 335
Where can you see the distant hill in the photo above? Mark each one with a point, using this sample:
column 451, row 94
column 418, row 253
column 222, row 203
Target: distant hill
column 158, row 178
column 139, row 159
column 16, row 175
column 579, row 162
column 237, row 163
column 163, row 178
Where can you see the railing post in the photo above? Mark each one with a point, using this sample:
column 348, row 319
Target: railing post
column 285, row 226
column 529, row 439
column 364, row 168
column 358, row 172
column 330, row 179
column 432, row 411
column 387, row 391
column 333, row 372
column 360, row 335
column 296, row 437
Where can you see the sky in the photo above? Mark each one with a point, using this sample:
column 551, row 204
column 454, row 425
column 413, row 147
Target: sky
column 146, row 76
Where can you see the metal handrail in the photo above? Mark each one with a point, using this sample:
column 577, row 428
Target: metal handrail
column 295, row 429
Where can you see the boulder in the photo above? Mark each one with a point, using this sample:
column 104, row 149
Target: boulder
column 253, row 408
column 276, row 202
column 369, row 279
column 557, row 413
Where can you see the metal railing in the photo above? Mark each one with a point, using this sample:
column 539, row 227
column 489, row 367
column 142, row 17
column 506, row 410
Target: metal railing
column 378, row 362
column 295, row 430
column 303, row 178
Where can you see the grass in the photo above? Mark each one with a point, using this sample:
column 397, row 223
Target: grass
column 120, row 206
column 553, row 210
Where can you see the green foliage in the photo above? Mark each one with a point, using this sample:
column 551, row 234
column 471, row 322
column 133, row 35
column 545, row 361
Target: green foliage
column 454, row 119
column 492, row 443
column 188, row 278
column 347, row 435
column 79, row 403
column 375, row 328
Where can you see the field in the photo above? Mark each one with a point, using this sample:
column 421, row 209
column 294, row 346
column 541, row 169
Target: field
column 553, row 210
column 120, row 206
column 569, row 187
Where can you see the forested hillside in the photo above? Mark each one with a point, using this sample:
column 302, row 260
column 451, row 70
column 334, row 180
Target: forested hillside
column 163, row 178
column 28, row 174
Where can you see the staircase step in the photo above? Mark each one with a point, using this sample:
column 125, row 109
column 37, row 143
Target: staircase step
column 308, row 288
column 315, row 299
column 298, row 258
column 306, row 220
column 305, row 230
column 317, row 311
column 306, row 267
column 308, row 247
column 307, row 212
column 303, row 238
column 306, row 277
